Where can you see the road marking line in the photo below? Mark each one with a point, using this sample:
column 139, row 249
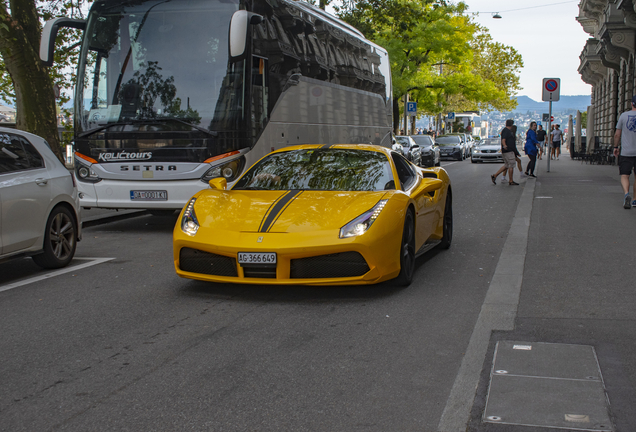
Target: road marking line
column 94, row 261
column 498, row 312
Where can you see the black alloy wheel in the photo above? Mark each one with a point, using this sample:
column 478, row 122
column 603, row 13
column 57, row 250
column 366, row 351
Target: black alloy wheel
column 447, row 236
column 60, row 240
column 407, row 251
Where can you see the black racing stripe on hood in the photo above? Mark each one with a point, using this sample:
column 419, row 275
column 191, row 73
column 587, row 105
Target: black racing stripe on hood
column 280, row 205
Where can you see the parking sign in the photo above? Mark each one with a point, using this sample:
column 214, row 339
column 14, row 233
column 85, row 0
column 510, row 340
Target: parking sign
column 411, row 108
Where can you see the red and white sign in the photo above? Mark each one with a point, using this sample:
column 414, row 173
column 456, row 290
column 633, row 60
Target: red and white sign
column 551, row 89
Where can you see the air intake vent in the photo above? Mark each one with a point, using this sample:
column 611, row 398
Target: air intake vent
column 345, row 264
column 196, row 261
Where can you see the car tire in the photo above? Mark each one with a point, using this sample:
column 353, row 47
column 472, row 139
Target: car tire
column 447, row 236
column 439, row 163
column 407, row 252
column 473, row 160
column 60, row 239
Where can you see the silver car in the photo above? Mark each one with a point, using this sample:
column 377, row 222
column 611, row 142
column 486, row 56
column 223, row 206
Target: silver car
column 488, row 150
column 39, row 204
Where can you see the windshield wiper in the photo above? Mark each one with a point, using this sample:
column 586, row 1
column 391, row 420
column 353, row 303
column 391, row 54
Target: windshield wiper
column 101, row 128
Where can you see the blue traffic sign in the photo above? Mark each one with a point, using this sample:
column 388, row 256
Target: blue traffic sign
column 451, row 116
column 411, row 108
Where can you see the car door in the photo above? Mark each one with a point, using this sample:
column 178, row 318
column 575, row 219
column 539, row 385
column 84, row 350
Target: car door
column 25, row 193
column 424, row 213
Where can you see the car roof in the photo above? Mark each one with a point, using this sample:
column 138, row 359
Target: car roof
column 365, row 147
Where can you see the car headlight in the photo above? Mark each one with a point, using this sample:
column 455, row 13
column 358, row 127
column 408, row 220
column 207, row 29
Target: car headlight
column 362, row 223
column 475, row 150
column 499, row 151
column 229, row 170
column 189, row 221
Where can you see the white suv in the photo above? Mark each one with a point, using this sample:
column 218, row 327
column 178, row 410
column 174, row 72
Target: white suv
column 39, row 205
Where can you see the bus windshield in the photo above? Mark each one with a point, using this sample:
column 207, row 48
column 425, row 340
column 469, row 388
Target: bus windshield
column 158, row 66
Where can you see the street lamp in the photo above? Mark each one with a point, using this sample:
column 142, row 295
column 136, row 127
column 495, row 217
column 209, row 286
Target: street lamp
column 496, row 15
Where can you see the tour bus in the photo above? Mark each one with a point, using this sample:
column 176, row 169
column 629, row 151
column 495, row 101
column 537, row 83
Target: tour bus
column 173, row 93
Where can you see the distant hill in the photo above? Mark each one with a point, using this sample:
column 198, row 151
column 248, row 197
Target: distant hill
column 565, row 103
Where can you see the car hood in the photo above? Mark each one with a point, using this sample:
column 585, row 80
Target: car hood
column 281, row 211
column 489, row 147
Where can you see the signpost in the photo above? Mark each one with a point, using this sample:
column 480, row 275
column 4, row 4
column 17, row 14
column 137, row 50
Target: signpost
column 551, row 93
column 451, row 116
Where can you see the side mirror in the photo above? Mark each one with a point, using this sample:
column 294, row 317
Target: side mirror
column 430, row 185
column 239, row 32
column 49, row 33
column 218, row 183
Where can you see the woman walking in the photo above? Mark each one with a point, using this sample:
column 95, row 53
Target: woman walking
column 531, row 149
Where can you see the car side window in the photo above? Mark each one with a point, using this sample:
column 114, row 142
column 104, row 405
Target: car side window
column 405, row 173
column 35, row 158
column 13, row 156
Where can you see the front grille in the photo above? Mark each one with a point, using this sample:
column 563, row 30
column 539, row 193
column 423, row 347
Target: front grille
column 196, row 261
column 256, row 271
column 345, row 264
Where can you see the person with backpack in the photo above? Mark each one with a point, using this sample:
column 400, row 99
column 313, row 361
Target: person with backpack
column 531, row 149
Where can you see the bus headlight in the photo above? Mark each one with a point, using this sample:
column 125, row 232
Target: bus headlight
column 189, row 222
column 85, row 173
column 229, row 170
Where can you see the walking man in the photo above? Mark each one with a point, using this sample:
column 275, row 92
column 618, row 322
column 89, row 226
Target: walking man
column 508, row 151
column 541, row 138
column 556, row 141
column 625, row 150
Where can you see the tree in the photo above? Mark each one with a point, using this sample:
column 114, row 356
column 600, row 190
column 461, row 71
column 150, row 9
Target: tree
column 439, row 56
column 23, row 78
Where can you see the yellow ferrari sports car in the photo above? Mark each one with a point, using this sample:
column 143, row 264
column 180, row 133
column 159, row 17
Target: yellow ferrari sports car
column 316, row 215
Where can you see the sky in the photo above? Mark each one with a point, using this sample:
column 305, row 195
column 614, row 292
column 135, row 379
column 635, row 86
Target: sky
column 549, row 39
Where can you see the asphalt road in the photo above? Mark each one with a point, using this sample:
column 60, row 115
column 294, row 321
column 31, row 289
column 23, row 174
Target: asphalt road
column 126, row 345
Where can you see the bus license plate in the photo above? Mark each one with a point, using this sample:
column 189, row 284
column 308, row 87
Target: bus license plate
column 257, row 258
column 155, row 195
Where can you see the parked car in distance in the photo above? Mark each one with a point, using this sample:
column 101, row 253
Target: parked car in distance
column 450, row 146
column 410, row 149
column 429, row 150
column 488, row 149
column 39, row 203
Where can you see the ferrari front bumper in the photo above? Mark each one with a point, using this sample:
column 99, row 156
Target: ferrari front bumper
column 302, row 258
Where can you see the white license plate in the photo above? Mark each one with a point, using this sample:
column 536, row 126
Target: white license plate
column 257, row 258
column 137, row 195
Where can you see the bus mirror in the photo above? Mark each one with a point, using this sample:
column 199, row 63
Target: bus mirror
column 239, row 31
column 219, row 183
column 49, row 33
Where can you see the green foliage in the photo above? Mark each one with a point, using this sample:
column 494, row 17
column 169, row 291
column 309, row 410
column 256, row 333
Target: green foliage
column 67, row 48
column 439, row 56
column 584, row 120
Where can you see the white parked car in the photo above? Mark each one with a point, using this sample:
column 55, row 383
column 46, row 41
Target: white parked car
column 39, row 204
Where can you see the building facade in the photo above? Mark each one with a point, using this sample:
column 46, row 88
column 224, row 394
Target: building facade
column 607, row 64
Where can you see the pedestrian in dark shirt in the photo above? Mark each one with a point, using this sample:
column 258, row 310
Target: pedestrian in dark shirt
column 509, row 152
column 541, row 138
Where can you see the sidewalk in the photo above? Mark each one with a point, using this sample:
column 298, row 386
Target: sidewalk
column 578, row 282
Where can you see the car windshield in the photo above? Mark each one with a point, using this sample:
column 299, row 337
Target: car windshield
column 403, row 140
column 490, row 141
column 320, row 169
column 422, row 140
column 447, row 140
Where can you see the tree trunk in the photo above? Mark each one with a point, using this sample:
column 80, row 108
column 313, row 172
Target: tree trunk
column 19, row 47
